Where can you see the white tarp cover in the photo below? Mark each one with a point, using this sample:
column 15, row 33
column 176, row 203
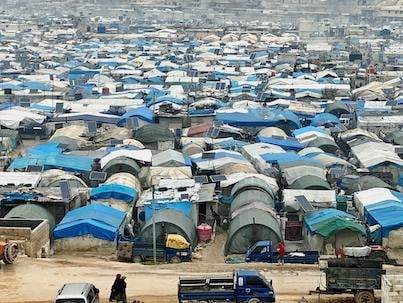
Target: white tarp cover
column 384, row 153
column 318, row 198
column 372, row 196
column 294, row 173
column 235, row 178
column 13, row 117
column 20, row 179
column 143, row 155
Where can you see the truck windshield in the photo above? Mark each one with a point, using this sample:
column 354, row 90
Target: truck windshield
column 70, row 301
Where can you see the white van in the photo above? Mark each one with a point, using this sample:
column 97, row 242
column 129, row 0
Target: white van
column 78, row 293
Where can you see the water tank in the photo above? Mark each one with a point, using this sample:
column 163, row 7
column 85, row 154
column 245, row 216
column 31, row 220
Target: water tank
column 204, row 232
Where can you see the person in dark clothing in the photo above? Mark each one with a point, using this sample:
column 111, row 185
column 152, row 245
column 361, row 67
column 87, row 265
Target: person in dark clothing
column 122, row 288
column 115, row 288
column 216, row 216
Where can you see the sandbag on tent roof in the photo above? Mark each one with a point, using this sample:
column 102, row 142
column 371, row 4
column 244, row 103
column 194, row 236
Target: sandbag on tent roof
column 328, row 222
column 337, row 108
column 325, row 119
column 100, row 221
column 32, row 211
column 169, row 221
column 115, row 191
column 170, row 158
column 366, row 182
column 152, row 133
column 250, row 226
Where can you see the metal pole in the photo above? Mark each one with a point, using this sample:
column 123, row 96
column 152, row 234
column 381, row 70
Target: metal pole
column 154, row 232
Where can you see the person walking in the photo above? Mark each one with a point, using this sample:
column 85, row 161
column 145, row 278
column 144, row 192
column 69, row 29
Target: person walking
column 123, row 285
column 114, row 288
column 281, row 252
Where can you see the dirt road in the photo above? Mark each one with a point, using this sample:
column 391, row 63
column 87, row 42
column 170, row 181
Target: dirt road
column 37, row 280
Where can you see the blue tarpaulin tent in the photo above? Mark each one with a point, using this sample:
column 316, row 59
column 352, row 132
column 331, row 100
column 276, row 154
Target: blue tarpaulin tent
column 116, row 191
column 325, row 119
column 286, row 144
column 98, row 220
column 142, row 113
column 71, row 163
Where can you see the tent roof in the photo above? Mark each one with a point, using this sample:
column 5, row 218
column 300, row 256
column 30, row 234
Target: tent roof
column 330, row 221
column 32, row 211
column 100, row 221
column 366, row 182
column 151, row 133
column 256, row 217
column 176, row 218
column 309, row 182
column 116, row 191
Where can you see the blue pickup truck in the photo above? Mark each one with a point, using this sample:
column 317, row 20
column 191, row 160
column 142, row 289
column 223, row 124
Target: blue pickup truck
column 263, row 251
column 242, row 286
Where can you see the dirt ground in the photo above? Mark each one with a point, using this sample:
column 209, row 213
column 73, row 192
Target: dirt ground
column 38, row 280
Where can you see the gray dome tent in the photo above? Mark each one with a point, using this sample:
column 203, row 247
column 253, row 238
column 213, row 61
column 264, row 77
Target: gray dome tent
column 395, row 137
column 32, row 211
column 310, row 182
column 252, row 183
column 366, row 182
column 249, row 196
column 152, row 133
column 121, row 165
column 250, row 226
column 337, row 109
column 170, row 221
column 325, row 144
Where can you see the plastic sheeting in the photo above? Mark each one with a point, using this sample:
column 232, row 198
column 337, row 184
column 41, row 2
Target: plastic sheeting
column 14, row 117
column 381, row 206
column 69, row 163
column 328, row 222
column 170, row 158
column 115, row 191
column 32, row 211
column 169, row 221
column 258, row 117
column 143, row 155
column 100, row 221
column 250, row 226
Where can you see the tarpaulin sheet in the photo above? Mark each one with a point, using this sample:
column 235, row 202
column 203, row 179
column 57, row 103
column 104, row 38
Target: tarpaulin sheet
column 116, row 191
column 98, row 220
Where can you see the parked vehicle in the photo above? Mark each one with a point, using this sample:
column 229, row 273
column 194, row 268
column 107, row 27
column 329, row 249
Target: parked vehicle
column 242, row 286
column 263, row 251
column 78, row 293
column 175, row 249
column 356, row 273
column 8, row 252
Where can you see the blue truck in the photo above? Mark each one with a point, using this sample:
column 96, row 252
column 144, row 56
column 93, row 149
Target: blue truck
column 263, row 251
column 138, row 250
column 247, row 286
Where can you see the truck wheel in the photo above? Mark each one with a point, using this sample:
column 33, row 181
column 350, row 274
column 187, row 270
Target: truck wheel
column 175, row 259
column 254, row 300
column 137, row 259
column 364, row 297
